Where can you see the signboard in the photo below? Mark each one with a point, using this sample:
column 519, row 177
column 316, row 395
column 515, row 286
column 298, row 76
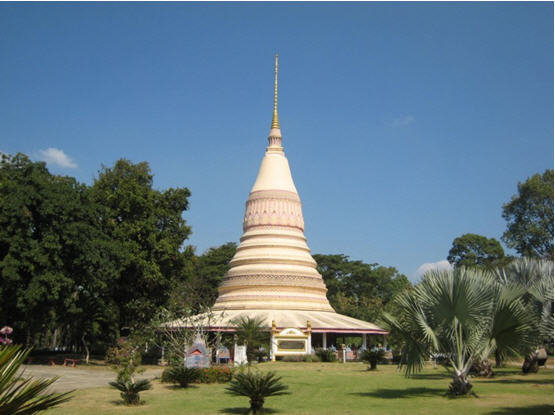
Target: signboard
column 240, row 355
column 290, row 341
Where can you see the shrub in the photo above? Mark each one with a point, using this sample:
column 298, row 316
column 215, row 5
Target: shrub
column 261, row 355
column 215, row 374
column 294, row 358
column 182, row 375
column 326, row 355
column 165, row 377
column 257, row 387
column 130, row 390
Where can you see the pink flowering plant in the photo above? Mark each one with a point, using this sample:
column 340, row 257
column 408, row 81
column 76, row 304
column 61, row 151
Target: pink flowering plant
column 6, row 331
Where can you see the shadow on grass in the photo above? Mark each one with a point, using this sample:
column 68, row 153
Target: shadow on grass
column 246, row 411
column 430, row 376
column 177, row 387
column 514, row 381
column 121, row 403
column 403, row 393
column 524, row 410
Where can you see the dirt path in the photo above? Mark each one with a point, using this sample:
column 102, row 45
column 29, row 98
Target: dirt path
column 80, row 377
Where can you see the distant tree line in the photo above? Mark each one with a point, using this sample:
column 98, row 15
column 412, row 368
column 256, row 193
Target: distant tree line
column 82, row 265
column 529, row 216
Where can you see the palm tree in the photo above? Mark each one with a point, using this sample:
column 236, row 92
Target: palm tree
column 536, row 277
column 251, row 331
column 257, row 387
column 372, row 356
column 465, row 315
column 20, row 395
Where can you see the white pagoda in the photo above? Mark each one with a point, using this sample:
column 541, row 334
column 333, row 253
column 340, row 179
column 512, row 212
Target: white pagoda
column 272, row 276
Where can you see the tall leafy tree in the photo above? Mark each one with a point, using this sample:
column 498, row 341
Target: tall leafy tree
column 471, row 250
column 50, row 248
column 148, row 229
column 529, row 217
column 358, row 289
column 210, row 268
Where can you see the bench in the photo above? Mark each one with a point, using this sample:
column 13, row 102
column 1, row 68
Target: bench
column 72, row 361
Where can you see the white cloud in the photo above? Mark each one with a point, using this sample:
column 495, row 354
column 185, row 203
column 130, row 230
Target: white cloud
column 57, row 157
column 439, row 265
column 403, row 121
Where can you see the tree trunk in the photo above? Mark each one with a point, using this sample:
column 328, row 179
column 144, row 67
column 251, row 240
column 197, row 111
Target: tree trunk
column 256, row 405
column 86, row 349
column 530, row 364
column 54, row 341
column 460, row 386
column 498, row 360
column 28, row 337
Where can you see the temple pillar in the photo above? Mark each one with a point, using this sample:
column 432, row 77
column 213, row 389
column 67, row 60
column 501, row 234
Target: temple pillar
column 384, row 341
column 324, row 340
column 309, row 338
column 364, row 342
column 273, row 342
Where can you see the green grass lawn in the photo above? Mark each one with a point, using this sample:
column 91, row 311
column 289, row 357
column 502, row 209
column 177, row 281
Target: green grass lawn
column 335, row 388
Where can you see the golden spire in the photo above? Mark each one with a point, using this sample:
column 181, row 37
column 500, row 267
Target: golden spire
column 275, row 118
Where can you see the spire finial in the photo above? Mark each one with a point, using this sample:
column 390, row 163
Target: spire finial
column 275, row 118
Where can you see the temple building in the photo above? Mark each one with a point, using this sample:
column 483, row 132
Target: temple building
column 272, row 276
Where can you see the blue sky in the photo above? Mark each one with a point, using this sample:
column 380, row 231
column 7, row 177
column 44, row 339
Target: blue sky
column 406, row 125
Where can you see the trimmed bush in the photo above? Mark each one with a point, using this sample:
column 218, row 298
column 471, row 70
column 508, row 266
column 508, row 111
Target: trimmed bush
column 182, row 375
column 215, row 374
column 294, row 358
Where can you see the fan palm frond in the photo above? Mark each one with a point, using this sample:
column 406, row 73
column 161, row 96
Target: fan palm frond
column 20, row 395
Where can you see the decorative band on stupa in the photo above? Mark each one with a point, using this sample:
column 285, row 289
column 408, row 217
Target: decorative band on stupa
column 273, row 268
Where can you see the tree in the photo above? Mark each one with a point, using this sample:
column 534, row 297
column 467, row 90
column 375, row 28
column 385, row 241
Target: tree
column 209, row 269
column 148, row 230
column 471, row 250
column 51, row 248
column 250, row 331
column 465, row 315
column 529, row 217
column 361, row 290
column 20, row 395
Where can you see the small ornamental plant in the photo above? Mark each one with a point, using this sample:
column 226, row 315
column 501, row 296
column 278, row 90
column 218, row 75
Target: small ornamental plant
column 125, row 359
column 130, row 390
column 256, row 386
column 372, row 356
